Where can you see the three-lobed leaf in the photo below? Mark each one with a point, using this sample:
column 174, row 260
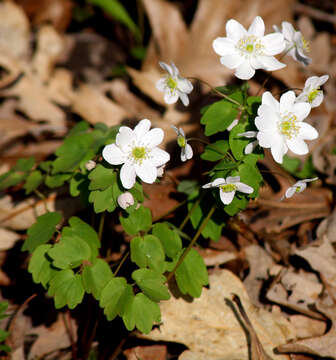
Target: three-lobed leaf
column 170, row 239
column 138, row 220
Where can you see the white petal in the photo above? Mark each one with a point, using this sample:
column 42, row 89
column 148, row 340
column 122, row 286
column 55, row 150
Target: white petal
column 256, row 63
column 257, row 27
column 297, row 146
column 184, row 85
column 244, row 188
column 288, row 30
column 249, row 134
column 159, row 157
column 153, row 138
column 181, row 131
column 234, row 30
column 232, row 179
column 124, row 138
column 301, row 110
column 188, row 152
column 223, row 46
column 142, row 128
column 170, row 97
column 127, row 175
column 270, row 63
column 226, row 197
column 232, row 125
column 250, row 147
column 183, row 155
column 113, row 155
column 184, row 98
column 232, row 61
column 147, row 172
column 301, row 186
column 266, row 139
column 309, row 180
column 290, row 192
column 245, row 71
column 207, row 186
column 161, row 84
column 286, row 102
column 176, row 130
column 312, row 82
column 318, row 100
column 274, row 44
column 218, row 182
column 270, row 100
column 267, row 119
column 323, row 79
column 166, row 67
column 175, row 70
column 307, row 132
column 278, row 150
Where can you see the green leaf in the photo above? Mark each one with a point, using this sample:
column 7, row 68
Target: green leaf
column 79, row 128
column 170, row 239
column 192, row 274
column 3, row 309
column 187, row 186
column 293, row 165
column 11, row 178
column 78, row 184
column 113, row 297
column 119, row 13
column 3, row 335
column 141, row 312
column 253, row 103
column 147, row 251
column 40, row 265
column 237, row 204
column 102, row 200
column 24, row 164
column 57, row 180
column 152, row 284
column 250, row 175
column 42, row 231
column 67, row 289
column 138, row 220
column 33, row 181
column 70, row 252
column 101, row 177
column 85, row 232
column 218, row 117
column 238, row 143
column 215, row 151
column 96, row 276
column 46, row 166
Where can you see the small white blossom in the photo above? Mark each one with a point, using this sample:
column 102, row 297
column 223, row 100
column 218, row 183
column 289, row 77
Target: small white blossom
column 174, row 85
column 248, row 50
column 228, row 187
column 138, row 152
column 311, row 92
column 125, row 200
column 186, row 149
column 297, row 187
column 296, row 45
column 281, row 125
column 252, row 145
column 90, row 165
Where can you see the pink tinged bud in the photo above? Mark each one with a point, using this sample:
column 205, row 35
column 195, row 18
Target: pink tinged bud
column 90, row 165
column 125, row 200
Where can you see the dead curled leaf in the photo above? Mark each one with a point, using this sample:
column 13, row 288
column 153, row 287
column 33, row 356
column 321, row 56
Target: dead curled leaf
column 211, row 330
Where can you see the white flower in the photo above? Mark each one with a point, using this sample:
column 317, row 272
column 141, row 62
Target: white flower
column 252, row 145
column 125, row 200
column 311, row 92
column 90, row 165
column 138, row 152
column 297, row 188
column 160, row 170
column 174, row 85
column 247, row 51
column 296, row 45
column 228, row 187
column 186, row 149
column 281, row 125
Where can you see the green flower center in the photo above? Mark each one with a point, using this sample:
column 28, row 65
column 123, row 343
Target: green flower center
column 139, row 153
column 250, row 45
column 288, row 125
column 228, row 187
column 312, row 95
column 298, row 189
column 171, row 83
column 181, row 141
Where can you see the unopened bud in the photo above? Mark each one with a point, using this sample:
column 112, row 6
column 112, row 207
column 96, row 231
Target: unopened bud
column 160, row 170
column 125, row 200
column 90, row 165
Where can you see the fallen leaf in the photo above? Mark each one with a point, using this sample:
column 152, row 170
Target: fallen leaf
column 154, row 352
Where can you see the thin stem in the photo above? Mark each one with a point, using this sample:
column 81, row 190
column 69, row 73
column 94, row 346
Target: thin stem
column 187, row 250
column 169, row 211
column 218, row 92
column 120, row 264
column 191, row 211
column 200, row 140
column 42, row 197
column 101, row 225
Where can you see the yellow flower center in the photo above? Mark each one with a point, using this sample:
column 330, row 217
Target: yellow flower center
column 139, row 154
column 298, row 189
column 249, row 45
column 305, row 44
column 181, row 141
column 312, row 95
column 171, row 83
column 288, row 125
column 228, row 187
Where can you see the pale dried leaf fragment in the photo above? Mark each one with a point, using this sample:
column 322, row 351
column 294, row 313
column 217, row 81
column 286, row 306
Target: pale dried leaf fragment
column 212, row 330
column 307, row 327
column 7, row 239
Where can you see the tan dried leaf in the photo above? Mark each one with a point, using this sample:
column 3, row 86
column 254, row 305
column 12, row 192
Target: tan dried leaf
column 209, row 327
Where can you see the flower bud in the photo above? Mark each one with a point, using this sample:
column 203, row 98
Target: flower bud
column 90, row 165
column 160, row 170
column 125, row 200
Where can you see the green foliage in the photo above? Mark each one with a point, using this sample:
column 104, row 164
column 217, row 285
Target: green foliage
column 33, row 181
column 3, row 333
column 187, row 186
column 238, row 143
column 170, row 239
column 301, row 171
column 138, row 220
column 192, row 274
column 215, row 151
column 17, row 174
column 42, row 231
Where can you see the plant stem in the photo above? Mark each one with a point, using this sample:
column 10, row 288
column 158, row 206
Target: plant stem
column 187, row 250
column 42, row 197
column 120, row 264
column 190, row 212
column 101, row 225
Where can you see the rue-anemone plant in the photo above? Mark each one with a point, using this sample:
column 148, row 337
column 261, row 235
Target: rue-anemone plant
column 106, row 168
